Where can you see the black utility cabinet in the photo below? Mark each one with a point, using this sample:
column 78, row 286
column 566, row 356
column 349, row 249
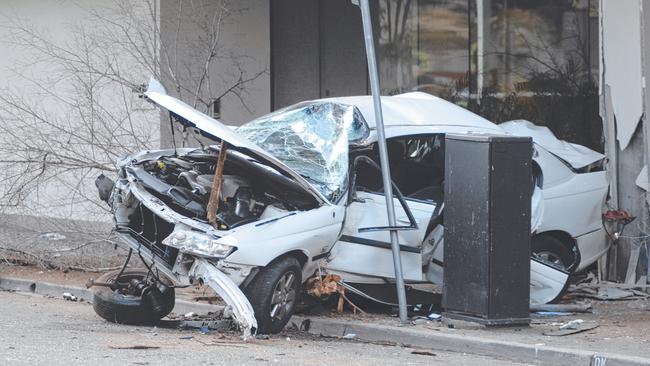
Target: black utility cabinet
column 488, row 188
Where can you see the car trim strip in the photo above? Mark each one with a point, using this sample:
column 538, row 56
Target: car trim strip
column 377, row 243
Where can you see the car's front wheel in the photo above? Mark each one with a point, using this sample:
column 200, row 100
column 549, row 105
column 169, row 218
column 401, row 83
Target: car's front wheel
column 274, row 292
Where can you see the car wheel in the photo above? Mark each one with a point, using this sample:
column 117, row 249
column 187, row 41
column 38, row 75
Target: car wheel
column 122, row 308
column 553, row 251
column 274, row 292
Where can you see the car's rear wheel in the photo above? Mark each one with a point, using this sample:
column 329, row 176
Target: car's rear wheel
column 274, row 292
column 553, row 251
column 119, row 307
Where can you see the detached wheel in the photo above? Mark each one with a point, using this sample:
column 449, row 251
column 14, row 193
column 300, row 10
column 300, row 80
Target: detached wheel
column 121, row 308
column 274, row 293
column 553, row 251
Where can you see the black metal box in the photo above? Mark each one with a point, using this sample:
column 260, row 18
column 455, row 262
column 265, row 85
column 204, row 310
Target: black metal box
column 488, row 188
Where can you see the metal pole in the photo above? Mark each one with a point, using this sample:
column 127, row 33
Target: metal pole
column 383, row 156
column 480, row 41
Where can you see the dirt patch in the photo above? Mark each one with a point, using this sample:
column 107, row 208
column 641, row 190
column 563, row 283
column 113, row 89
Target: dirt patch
column 35, row 273
column 202, row 294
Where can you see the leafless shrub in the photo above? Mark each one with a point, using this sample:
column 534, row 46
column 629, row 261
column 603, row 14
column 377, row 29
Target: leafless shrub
column 79, row 113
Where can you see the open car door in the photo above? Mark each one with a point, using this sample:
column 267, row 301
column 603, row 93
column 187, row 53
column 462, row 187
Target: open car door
column 363, row 252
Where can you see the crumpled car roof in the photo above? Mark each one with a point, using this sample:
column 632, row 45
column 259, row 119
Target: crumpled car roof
column 577, row 156
column 418, row 108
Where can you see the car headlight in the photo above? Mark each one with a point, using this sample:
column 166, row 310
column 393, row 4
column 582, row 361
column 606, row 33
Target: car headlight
column 199, row 244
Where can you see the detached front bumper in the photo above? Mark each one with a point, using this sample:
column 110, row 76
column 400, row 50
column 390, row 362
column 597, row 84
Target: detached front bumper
column 242, row 309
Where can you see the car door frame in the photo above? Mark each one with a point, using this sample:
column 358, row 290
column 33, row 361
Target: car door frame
column 351, row 253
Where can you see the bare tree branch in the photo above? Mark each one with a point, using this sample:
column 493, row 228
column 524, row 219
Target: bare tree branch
column 76, row 119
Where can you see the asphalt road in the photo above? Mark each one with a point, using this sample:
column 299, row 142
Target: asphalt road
column 43, row 331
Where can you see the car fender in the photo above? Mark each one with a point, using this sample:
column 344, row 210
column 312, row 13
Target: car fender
column 311, row 232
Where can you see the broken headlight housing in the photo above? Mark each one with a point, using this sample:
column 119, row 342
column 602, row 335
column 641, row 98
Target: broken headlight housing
column 200, row 244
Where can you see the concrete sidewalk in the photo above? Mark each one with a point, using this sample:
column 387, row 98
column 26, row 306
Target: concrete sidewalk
column 513, row 344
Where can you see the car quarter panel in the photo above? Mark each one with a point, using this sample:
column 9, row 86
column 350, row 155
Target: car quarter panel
column 575, row 206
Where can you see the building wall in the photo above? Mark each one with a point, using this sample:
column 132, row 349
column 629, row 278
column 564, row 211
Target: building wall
column 66, row 194
column 622, row 71
column 318, row 51
column 243, row 45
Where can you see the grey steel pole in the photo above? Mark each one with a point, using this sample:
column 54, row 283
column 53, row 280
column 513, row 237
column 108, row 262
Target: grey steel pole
column 383, row 156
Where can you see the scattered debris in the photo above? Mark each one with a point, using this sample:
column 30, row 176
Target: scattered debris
column 70, row 297
column 325, row 286
column 52, row 236
column 563, row 308
column 573, row 324
column 187, row 338
column 191, row 314
column 590, row 287
column 423, row 352
column 305, row 325
column 573, row 327
column 210, row 324
column 433, row 317
column 262, row 336
column 220, row 343
column 607, row 293
column 378, row 343
column 137, row 346
column 350, row 336
column 209, row 299
column 610, row 293
column 552, row 313
column 319, row 286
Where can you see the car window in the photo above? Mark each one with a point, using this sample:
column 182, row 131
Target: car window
column 416, row 164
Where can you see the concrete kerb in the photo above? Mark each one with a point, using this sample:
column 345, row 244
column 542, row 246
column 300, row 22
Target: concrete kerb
column 406, row 335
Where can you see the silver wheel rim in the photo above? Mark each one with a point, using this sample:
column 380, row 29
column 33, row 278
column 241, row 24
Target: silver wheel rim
column 551, row 257
column 283, row 297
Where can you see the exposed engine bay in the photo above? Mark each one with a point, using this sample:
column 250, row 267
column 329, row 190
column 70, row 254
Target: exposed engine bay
column 185, row 182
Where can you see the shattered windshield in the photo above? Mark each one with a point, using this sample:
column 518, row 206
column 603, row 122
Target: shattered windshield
column 312, row 139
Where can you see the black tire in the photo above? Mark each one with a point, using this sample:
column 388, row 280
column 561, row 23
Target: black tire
column 554, row 251
column 128, row 309
column 267, row 283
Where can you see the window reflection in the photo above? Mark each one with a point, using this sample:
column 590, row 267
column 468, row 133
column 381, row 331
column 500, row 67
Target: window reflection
column 503, row 59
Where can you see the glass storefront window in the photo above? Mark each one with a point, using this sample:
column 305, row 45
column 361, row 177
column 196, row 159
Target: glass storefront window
column 503, row 59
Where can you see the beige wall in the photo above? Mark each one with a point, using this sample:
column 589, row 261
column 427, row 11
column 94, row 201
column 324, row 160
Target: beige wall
column 60, row 197
column 244, row 39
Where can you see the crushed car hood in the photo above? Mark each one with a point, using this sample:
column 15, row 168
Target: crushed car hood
column 577, row 156
column 217, row 132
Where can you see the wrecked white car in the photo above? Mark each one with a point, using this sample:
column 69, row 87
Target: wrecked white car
column 299, row 194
